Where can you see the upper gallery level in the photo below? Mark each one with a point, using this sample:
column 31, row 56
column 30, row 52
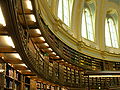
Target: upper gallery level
column 88, row 26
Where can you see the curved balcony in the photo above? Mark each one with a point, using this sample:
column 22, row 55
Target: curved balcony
column 64, row 67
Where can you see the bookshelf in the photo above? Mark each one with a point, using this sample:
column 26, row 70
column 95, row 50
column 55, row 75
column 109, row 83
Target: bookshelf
column 46, row 86
column 40, row 86
column 1, row 81
column 11, row 79
column 2, row 76
column 26, row 81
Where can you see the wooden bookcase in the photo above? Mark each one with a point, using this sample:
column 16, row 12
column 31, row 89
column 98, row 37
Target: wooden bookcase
column 11, row 79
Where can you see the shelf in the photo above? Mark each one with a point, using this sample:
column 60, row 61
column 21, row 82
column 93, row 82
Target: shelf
column 8, row 89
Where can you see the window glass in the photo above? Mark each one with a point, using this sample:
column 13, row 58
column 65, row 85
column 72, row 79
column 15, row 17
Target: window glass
column 83, row 26
column 107, row 34
column 87, row 26
column 65, row 11
column 60, row 9
column 111, row 33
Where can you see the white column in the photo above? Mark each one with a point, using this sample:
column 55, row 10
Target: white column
column 77, row 18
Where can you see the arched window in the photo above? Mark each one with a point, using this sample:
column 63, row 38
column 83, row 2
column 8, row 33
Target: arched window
column 87, row 25
column 65, row 11
column 111, row 33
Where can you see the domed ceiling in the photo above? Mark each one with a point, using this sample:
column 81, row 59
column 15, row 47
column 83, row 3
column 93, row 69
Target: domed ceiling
column 72, row 35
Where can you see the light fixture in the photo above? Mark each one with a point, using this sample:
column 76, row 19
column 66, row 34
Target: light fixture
column 9, row 64
column 46, row 44
column 9, row 41
column 18, row 70
column 3, row 57
column 2, row 20
column 99, row 87
column 29, row 5
column 50, row 49
column 17, row 56
column 29, row 70
column 32, row 17
column 54, row 53
column 38, row 31
column 23, row 65
column 57, row 56
column 2, row 70
column 42, row 38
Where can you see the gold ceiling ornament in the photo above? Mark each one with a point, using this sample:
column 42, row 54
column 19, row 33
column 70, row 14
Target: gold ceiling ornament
column 103, row 54
column 80, row 45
